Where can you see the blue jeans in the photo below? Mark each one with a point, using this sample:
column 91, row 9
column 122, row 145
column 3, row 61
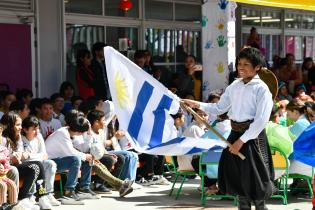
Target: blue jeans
column 73, row 164
column 129, row 169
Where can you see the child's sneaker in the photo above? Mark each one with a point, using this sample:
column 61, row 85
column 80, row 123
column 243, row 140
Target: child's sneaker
column 161, row 180
column 44, row 202
column 53, row 201
column 125, row 188
column 26, row 204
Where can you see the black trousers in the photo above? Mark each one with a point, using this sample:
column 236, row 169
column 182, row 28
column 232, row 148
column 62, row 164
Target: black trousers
column 30, row 172
column 195, row 165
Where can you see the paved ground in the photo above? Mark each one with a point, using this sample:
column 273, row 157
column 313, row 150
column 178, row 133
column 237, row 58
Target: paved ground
column 156, row 197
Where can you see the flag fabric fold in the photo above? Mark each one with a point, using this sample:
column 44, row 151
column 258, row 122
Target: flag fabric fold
column 304, row 146
column 143, row 107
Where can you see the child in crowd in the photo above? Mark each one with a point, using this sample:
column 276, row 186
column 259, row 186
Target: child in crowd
column 114, row 137
column 33, row 143
column 32, row 172
column 58, row 104
column 24, row 95
column 76, row 101
column 47, row 123
column 301, row 94
column 67, row 92
column 21, row 108
column 35, row 107
column 302, row 116
column 283, row 93
column 96, row 136
column 6, row 98
column 8, row 189
column 60, row 149
column 179, row 120
column 213, row 98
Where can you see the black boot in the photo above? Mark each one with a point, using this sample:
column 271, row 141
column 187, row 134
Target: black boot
column 244, row 203
column 260, row 205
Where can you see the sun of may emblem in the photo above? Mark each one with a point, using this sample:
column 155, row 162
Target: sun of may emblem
column 121, row 90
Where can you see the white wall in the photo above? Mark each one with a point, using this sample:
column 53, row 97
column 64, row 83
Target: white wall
column 50, row 46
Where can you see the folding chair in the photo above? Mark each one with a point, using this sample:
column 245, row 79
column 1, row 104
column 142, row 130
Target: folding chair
column 308, row 179
column 182, row 174
column 211, row 158
column 281, row 164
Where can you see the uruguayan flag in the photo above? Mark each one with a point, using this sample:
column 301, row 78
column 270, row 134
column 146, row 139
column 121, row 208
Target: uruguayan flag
column 143, row 106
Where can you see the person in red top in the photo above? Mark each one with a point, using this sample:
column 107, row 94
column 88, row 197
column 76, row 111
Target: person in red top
column 84, row 75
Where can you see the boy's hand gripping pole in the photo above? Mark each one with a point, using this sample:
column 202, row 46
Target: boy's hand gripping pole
column 209, row 127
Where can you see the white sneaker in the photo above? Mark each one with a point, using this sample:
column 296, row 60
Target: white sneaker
column 33, row 199
column 26, row 203
column 44, row 202
column 53, row 201
column 163, row 181
column 136, row 186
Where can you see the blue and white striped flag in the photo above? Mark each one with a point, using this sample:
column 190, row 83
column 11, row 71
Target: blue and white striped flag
column 143, row 106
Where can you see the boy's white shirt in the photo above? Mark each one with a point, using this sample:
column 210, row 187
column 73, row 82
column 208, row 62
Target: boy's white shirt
column 48, row 127
column 91, row 138
column 60, row 117
column 194, row 130
column 35, row 147
column 250, row 101
column 59, row 145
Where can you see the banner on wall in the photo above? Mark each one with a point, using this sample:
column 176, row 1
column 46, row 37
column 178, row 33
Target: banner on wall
column 216, row 14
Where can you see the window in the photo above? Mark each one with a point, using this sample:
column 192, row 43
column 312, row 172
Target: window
column 161, row 10
column 187, row 12
column 112, row 9
column 170, row 47
column 293, row 20
column 271, row 19
column 251, row 17
column 293, row 45
column 122, row 39
column 93, row 7
column 308, row 21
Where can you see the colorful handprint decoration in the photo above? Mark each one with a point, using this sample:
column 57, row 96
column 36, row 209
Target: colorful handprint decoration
column 221, row 41
column 223, row 4
column 220, row 68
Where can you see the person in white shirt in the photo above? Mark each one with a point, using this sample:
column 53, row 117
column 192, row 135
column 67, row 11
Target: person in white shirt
column 33, row 143
column 248, row 102
column 47, row 123
column 58, row 104
column 60, row 149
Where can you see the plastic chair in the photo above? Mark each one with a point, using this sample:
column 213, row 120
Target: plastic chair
column 211, row 158
column 308, row 179
column 178, row 174
column 281, row 163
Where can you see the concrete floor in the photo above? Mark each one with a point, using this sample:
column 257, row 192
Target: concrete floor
column 156, row 197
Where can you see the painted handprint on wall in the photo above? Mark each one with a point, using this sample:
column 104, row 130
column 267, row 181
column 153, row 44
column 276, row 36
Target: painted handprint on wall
column 221, row 24
column 223, row 4
column 221, row 40
column 220, row 68
column 209, row 45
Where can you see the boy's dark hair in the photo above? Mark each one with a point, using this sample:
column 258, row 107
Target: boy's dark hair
column 191, row 56
column 82, row 54
column 17, row 106
column 92, row 102
column 95, row 115
column 97, row 47
column 253, row 55
column 75, row 98
column 213, row 96
column 4, row 94
column 35, row 103
column 79, row 124
column 22, row 93
column 139, row 54
column 178, row 115
column 30, row 121
column 296, row 105
column 54, row 96
column 44, row 101
column 65, row 86
column 83, row 107
column 72, row 114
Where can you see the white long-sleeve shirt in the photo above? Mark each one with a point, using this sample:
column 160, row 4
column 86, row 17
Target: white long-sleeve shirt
column 250, row 101
column 59, row 145
column 36, row 147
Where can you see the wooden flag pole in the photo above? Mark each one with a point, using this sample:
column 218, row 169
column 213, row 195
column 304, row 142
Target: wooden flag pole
column 209, row 127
